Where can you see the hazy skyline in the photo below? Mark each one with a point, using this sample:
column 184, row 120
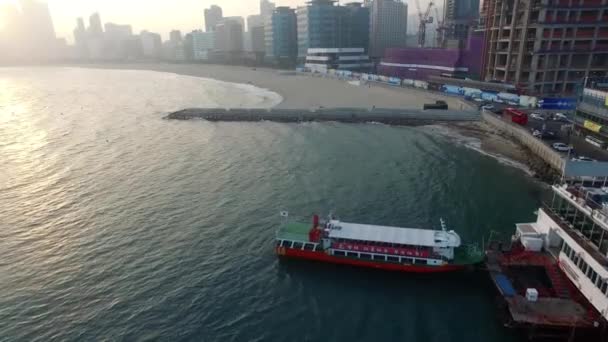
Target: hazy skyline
column 157, row 16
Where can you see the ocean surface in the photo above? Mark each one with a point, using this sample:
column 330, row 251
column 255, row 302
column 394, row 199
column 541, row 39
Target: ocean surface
column 118, row 225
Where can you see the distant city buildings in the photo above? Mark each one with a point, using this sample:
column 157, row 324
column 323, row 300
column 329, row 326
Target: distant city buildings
column 28, row 33
column 281, row 36
column 388, row 26
column 213, row 15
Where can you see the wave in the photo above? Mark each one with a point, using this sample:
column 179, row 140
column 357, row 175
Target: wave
column 475, row 144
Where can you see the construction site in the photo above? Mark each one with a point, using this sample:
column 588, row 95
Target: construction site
column 545, row 46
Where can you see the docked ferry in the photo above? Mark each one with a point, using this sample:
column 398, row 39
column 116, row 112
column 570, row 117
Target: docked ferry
column 382, row 247
column 553, row 274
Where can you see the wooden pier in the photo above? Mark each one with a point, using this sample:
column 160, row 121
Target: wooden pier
column 404, row 117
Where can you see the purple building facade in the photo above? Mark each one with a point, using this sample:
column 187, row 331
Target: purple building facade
column 420, row 63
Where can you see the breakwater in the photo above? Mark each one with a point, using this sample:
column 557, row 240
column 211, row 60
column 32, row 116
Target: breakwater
column 347, row 115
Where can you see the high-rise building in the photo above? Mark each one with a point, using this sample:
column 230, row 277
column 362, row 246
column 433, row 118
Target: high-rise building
column 151, row 44
column 545, row 46
column 117, row 32
column 80, row 39
column 203, row 44
column 355, row 21
column 266, row 8
column 281, row 36
column 322, row 24
column 388, row 26
column 213, row 15
column 257, row 39
column 459, row 17
column 592, row 111
column 95, row 28
column 229, row 36
column 37, row 34
column 239, row 20
column 115, row 41
column 175, row 36
column 254, row 21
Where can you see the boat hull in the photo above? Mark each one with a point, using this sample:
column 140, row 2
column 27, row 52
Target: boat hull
column 321, row 256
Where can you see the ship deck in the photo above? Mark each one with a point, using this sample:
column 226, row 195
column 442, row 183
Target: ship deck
column 559, row 304
column 294, row 231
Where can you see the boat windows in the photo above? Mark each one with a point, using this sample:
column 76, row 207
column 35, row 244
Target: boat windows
column 365, row 256
column 567, row 250
column 593, row 276
column 379, row 257
column 279, row 243
column 392, row 258
column 352, row 254
column 583, row 266
column 309, row 247
column 604, row 287
column 407, row 261
column 419, row 261
column 297, row 245
column 339, row 253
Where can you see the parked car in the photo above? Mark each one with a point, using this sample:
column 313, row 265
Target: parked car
column 547, row 135
column 537, row 116
column 487, row 107
column 561, row 147
column 583, row 159
column 560, row 117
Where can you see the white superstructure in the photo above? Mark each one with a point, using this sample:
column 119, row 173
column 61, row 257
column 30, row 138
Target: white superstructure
column 442, row 242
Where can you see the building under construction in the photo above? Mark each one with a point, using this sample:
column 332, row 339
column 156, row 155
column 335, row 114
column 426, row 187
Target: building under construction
column 545, row 47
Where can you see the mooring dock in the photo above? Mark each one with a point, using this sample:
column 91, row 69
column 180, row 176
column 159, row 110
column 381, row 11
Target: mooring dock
column 348, row 115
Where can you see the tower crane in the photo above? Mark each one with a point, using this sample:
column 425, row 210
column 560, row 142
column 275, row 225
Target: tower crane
column 425, row 18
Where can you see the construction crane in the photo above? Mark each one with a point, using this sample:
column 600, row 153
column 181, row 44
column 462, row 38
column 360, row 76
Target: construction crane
column 424, row 18
column 441, row 29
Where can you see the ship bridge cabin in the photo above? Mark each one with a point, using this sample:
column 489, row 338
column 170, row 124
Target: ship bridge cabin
column 393, row 242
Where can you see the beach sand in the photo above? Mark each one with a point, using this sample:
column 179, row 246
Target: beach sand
column 303, row 91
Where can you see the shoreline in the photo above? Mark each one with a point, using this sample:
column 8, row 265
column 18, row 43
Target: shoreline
column 306, row 91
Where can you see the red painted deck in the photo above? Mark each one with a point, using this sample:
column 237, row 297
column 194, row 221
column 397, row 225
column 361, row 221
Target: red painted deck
column 324, row 257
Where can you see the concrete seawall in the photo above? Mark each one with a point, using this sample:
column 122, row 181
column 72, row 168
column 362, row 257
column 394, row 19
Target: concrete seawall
column 347, row 115
column 535, row 145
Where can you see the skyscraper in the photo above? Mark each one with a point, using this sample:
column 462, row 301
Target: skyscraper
column 95, row 28
column 355, row 23
column 281, row 36
column 229, row 36
column 213, row 15
column 547, row 48
column 266, row 8
column 321, row 24
column 388, row 26
column 175, row 36
column 459, row 17
column 151, row 44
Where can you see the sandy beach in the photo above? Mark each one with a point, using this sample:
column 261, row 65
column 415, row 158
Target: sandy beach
column 302, row 91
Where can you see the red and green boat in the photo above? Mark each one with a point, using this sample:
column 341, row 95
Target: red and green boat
column 382, row 247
